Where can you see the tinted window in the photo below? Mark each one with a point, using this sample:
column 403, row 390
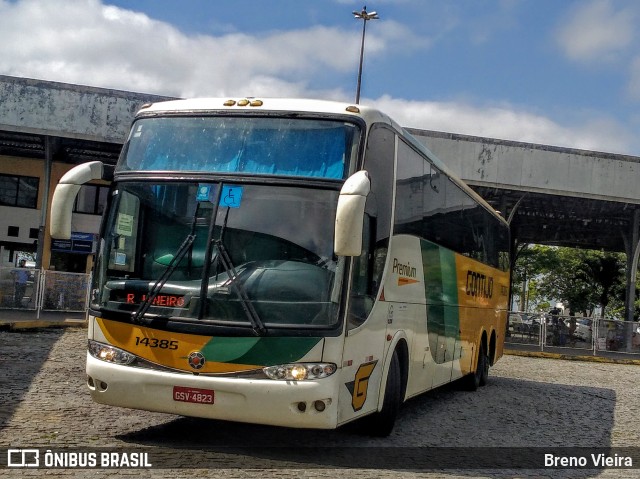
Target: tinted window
column 91, row 199
column 19, row 191
column 368, row 267
column 432, row 206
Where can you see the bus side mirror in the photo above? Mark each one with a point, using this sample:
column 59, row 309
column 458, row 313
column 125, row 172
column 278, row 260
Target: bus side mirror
column 350, row 215
column 65, row 194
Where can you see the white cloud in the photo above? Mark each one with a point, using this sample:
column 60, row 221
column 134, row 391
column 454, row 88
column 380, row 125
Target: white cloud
column 509, row 123
column 89, row 43
column 597, row 30
column 85, row 42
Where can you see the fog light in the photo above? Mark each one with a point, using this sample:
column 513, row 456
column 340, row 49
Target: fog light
column 302, row 406
column 319, row 405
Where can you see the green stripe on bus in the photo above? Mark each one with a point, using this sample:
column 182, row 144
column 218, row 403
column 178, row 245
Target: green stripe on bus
column 441, row 293
column 260, row 351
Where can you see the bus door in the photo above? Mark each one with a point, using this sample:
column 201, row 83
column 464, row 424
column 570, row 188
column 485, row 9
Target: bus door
column 363, row 356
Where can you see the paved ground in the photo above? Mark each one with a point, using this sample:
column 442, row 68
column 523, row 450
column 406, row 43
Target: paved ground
column 28, row 319
column 529, row 403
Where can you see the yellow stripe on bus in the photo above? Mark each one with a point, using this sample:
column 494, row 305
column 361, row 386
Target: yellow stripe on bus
column 163, row 347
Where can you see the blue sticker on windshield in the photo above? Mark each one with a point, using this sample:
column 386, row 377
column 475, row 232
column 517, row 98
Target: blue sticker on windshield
column 231, row 196
column 203, row 192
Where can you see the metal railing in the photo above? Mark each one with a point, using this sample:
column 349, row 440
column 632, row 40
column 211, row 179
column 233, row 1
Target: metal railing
column 19, row 288
column 43, row 290
column 593, row 335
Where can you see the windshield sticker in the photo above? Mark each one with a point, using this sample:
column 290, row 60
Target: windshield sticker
column 203, row 192
column 231, row 196
column 138, row 132
column 120, row 259
column 125, row 224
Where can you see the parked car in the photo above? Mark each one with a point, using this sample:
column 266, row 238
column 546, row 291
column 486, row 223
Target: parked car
column 532, row 323
column 516, row 323
column 584, row 330
column 635, row 341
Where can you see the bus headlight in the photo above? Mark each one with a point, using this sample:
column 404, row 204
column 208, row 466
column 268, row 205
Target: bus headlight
column 110, row 354
column 300, row 371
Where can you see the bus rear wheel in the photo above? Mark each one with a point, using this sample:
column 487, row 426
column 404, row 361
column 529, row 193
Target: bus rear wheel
column 479, row 377
column 484, row 371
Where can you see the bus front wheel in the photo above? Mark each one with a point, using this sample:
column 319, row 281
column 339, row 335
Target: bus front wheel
column 381, row 423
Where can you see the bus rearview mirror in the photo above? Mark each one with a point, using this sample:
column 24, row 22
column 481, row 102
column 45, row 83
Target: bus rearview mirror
column 350, row 214
column 65, row 194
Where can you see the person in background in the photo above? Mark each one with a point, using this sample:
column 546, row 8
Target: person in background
column 20, row 278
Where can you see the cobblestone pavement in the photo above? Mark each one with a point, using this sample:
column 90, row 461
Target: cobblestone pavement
column 528, row 403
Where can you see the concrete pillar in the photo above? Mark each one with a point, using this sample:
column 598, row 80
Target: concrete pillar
column 633, row 252
column 49, row 149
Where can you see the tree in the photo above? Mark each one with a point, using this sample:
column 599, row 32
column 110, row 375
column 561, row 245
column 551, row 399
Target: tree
column 582, row 279
column 531, row 262
column 605, row 272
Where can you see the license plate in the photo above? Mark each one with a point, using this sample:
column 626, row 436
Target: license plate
column 194, row 395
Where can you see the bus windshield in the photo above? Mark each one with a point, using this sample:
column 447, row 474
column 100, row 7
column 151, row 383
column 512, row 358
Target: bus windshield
column 210, row 251
column 250, row 145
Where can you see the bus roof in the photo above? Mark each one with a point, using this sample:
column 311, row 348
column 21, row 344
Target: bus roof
column 369, row 114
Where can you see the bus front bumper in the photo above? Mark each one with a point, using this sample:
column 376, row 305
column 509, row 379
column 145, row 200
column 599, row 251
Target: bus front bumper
column 258, row 401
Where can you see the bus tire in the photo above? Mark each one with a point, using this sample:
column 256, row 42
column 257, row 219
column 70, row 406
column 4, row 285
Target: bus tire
column 380, row 424
column 484, row 370
column 475, row 379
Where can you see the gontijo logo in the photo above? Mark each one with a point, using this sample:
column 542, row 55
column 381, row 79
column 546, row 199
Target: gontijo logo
column 360, row 384
column 196, row 360
column 479, row 285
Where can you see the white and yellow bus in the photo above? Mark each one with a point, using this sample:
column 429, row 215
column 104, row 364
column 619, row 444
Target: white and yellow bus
column 287, row 262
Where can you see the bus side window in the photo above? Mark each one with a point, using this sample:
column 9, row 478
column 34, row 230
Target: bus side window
column 368, row 267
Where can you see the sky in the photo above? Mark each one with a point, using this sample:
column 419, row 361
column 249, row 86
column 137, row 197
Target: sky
column 563, row 73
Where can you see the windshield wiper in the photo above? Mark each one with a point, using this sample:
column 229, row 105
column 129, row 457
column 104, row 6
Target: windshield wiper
column 241, row 292
column 223, row 255
column 159, row 284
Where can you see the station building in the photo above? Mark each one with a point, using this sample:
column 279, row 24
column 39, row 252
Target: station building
column 47, row 128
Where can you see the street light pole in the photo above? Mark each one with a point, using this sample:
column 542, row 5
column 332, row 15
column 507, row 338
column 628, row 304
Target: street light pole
column 364, row 16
